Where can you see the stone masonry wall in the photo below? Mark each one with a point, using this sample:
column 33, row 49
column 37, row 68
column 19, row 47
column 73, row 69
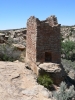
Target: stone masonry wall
column 48, row 40
column 43, row 36
column 31, row 39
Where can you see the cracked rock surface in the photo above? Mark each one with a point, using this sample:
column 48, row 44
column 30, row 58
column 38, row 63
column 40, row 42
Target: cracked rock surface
column 19, row 83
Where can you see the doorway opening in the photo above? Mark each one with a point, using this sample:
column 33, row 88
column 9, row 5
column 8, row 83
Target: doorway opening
column 48, row 57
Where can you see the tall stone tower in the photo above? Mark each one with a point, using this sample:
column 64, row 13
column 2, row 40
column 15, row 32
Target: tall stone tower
column 43, row 42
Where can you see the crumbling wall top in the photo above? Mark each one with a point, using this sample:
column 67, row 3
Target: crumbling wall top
column 33, row 19
column 52, row 20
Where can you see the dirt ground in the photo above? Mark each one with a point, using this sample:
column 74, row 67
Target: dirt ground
column 19, row 83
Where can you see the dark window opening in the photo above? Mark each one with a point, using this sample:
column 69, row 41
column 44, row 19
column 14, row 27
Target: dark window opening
column 48, row 57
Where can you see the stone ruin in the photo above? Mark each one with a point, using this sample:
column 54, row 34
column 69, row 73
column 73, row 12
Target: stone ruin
column 43, row 40
column 43, row 47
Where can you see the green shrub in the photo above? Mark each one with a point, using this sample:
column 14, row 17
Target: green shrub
column 63, row 93
column 9, row 53
column 45, row 80
column 68, row 48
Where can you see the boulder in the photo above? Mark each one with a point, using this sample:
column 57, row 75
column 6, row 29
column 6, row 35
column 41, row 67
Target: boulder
column 19, row 46
column 71, row 74
column 2, row 35
column 56, row 71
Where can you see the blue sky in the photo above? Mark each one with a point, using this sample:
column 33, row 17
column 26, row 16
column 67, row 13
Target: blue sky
column 14, row 13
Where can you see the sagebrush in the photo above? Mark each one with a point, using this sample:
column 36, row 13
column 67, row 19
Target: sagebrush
column 64, row 93
column 9, row 53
